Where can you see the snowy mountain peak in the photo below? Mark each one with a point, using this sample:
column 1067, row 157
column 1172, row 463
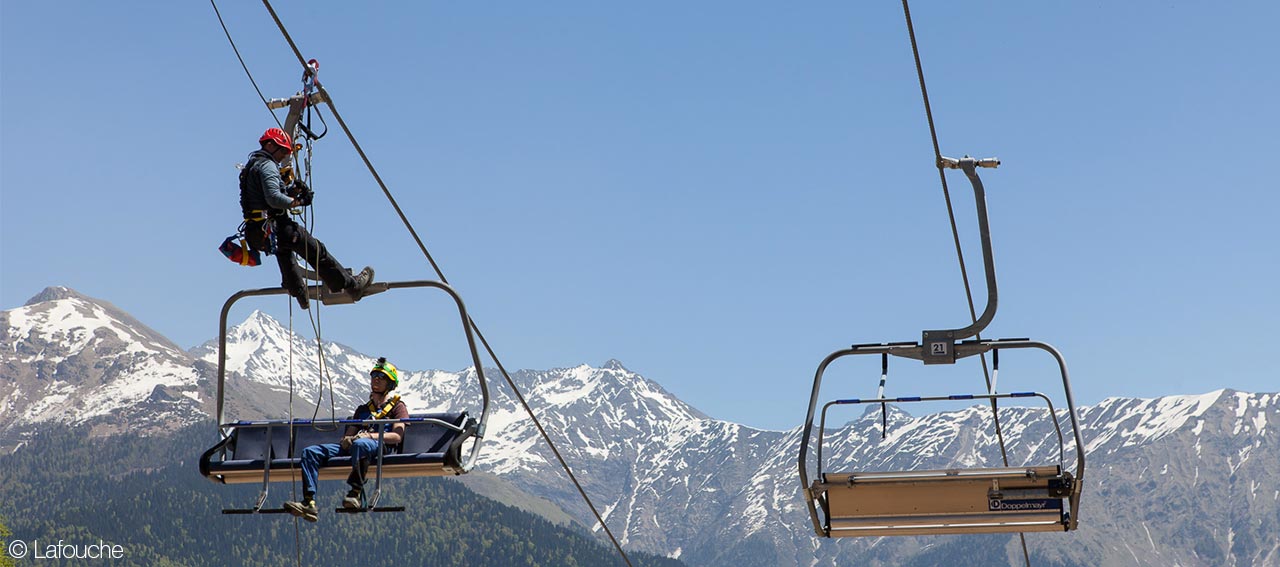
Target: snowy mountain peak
column 258, row 326
column 54, row 293
column 73, row 322
column 614, row 364
column 76, row 359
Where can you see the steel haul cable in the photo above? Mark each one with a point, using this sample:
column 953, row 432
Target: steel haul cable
column 440, row 273
column 955, row 234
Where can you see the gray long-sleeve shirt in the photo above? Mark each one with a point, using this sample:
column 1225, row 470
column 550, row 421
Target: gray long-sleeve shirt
column 260, row 185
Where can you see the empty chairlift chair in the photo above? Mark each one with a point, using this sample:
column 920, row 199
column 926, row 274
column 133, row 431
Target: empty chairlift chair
column 1031, row 498
column 1042, row 497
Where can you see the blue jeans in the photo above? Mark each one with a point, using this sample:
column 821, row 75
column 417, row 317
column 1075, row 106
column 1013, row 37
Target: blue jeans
column 316, row 456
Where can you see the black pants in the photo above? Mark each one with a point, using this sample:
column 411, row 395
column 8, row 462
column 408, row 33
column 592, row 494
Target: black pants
column 292, row 238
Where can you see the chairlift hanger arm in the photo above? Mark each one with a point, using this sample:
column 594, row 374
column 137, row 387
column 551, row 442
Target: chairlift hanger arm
column 938, row 344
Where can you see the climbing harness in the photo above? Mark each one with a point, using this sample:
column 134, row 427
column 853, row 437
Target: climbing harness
column 380, row 412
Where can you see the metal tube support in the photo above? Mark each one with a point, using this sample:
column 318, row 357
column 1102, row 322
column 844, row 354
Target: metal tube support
column 377, row 483
column 884, row 409
column 808, row 434
column 995, row 372
column 222, row 345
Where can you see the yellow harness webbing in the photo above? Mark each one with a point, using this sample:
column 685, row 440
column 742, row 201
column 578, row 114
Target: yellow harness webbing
column 244, row 251
column 379, row 413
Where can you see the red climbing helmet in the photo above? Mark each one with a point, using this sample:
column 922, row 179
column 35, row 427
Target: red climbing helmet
column 278, row 137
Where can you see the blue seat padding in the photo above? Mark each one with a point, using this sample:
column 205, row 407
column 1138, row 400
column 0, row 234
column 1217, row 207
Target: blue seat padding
column 426, row 447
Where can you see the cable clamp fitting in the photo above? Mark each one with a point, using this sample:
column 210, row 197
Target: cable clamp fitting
column 945, row 162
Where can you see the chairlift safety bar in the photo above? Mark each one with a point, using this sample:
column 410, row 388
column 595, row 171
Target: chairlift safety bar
column 313, row 422
column 822, row 425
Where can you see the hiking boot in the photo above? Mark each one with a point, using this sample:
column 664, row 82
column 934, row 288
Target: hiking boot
column 300, row 294
column 353, row 500
column 362, row 281
column 306, row 509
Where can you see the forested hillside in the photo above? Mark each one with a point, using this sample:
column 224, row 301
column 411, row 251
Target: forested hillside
column 147, row 495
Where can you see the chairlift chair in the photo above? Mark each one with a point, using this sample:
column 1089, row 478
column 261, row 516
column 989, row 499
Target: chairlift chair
column 954, row 500
column 270, row 450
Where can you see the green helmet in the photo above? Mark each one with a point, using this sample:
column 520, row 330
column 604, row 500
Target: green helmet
column 386, row 369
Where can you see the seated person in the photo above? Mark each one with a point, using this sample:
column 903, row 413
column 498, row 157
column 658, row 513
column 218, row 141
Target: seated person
column 361, row 442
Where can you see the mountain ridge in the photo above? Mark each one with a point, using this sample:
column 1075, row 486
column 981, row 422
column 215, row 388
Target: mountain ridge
column 671, row 480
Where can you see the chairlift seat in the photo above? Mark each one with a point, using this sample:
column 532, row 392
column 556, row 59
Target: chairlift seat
column 952, row 501
column 428, row 449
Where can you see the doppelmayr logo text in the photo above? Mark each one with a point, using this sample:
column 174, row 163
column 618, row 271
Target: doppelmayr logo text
column 20, row 549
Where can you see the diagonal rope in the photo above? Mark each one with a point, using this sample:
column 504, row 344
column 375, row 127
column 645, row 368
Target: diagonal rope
column 243, row 65
column 955, row 235
column 440, row 273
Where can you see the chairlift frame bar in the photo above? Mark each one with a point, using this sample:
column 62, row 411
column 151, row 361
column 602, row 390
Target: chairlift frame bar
column 913, row 350
column 327, row 298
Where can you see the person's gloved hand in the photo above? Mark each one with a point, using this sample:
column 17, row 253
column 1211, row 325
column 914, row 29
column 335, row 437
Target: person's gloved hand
column 302, row 193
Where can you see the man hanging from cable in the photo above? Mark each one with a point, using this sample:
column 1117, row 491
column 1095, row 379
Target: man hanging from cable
column 265, row 200
column 361, row 442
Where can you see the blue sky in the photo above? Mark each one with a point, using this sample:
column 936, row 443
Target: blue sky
column 718, row 194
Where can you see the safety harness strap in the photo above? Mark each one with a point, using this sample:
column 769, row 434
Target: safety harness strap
column 379, row 413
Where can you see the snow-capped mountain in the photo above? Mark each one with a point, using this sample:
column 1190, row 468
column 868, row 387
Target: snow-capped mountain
column 1179, row 480
column 68, row 358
